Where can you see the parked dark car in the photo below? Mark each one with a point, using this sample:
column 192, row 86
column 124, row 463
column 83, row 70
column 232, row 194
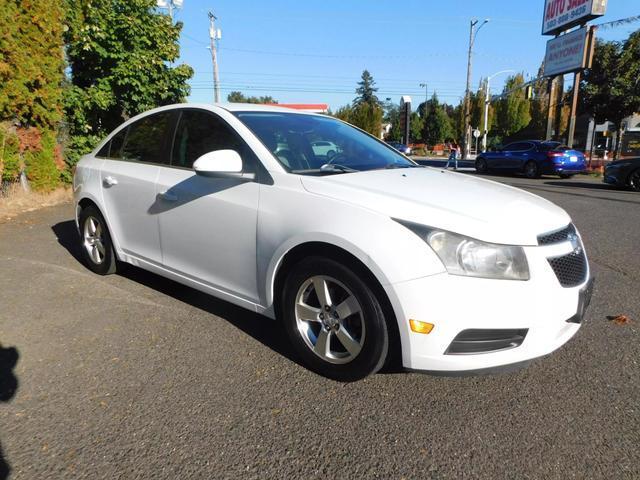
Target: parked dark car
column 533, row 158
column 624, row 173
column 401, row 147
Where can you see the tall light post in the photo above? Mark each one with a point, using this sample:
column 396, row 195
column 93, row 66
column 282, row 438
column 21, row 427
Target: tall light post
column 473, row 33
column 426, row 97
column 487, row 101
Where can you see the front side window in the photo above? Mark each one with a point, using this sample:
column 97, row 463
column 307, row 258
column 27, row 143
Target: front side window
column 294, row 140
column 147, row 139
column 201, row 132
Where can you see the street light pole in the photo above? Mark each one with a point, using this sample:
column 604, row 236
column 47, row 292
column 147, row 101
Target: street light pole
column 487, row 101
column 473, row 33
column 426, row 98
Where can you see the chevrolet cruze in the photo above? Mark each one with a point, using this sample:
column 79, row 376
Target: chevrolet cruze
column 363, row 255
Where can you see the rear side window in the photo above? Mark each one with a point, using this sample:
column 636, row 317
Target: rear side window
column 147, row 139
column 201, row 132
column 518, row 147
column 113, row 148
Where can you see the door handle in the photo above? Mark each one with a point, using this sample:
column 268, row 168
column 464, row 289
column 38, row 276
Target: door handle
column 109, row 181
column 167, row 196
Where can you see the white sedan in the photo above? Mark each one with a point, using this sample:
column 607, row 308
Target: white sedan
column 365, row 257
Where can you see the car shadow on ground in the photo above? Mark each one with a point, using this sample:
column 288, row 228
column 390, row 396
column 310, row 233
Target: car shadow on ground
column 266, row 331
column 8, row 387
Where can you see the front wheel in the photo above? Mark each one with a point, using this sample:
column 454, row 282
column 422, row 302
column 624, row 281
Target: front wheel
column 634, row 180
column 334, row 320
column 531, row 169
column 97, row 248
column 481, row 166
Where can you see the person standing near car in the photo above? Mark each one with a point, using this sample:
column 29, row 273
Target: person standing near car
column 453, row 154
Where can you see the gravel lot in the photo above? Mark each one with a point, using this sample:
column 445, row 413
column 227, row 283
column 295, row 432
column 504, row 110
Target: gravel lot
column 134, row 376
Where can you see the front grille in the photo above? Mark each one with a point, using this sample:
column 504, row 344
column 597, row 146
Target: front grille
column 557, row 236
column 475, row 341
column 571, row 269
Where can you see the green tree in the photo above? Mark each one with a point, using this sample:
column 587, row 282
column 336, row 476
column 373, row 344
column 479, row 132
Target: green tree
column 366, row 91
column 392, row 116
column 366, row 116
column 539, row 105
column 416, row 127
column 239, row 97
column 437, row 126
column 121, row 55
column 513, row 109
column 610, row 89
column 31, row 62
column 31, row 75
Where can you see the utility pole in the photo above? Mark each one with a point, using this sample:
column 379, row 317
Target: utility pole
column 214, row 36
column 473, row 33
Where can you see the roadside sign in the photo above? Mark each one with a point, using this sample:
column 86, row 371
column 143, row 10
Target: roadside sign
column 560, row 15
column 476, row 133
column 570, row 52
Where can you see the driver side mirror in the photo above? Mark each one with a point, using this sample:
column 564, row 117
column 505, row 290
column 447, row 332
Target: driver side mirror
column 219, row 163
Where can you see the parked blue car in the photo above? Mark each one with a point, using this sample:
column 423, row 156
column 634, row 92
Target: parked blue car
column 533, row 158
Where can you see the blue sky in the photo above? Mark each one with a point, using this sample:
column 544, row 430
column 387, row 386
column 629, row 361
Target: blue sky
column 314, row 51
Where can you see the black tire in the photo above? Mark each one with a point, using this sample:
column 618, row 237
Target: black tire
column 481, row 166
column 374, row 332
column 565, row 175
column 531, row 169
column 634, row 180
column 107, row 262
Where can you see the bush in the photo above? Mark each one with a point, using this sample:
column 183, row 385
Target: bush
column 10, row 159
column 40, row 164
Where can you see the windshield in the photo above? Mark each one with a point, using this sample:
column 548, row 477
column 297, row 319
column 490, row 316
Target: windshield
column 310, row 144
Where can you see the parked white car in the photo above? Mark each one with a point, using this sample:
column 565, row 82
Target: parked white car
column 361, row 256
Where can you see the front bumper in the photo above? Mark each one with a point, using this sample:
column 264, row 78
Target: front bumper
column 454, row 304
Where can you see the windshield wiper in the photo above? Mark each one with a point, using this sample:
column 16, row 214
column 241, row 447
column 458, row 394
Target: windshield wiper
column 335, row 167
column 401, row 165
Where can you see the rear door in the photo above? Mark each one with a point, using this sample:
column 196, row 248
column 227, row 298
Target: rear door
column 129, row 184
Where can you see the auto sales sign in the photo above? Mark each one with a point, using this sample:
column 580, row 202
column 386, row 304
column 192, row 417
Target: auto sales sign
column 561, row 15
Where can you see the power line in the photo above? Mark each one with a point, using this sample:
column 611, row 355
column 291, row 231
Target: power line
column 618, row 23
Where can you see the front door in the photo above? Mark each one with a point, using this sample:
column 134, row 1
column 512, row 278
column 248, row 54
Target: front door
column 208, row 224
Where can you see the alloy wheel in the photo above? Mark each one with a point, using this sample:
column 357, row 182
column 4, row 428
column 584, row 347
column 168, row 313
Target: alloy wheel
column 94, row 240
column 634, row 181
column 329, row 319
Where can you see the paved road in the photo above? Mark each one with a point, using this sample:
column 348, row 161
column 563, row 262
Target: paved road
column 137, row 377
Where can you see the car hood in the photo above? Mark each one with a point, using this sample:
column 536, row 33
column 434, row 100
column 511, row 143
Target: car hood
column 456, row 202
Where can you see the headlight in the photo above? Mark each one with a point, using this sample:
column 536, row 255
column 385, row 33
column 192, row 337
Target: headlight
column 470, row 257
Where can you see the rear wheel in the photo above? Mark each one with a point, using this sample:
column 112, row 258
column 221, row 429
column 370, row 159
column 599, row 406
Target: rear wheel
column 531, row 169
column 481, row 165
column 634, row 180
column 334, row 320
column 97, row 248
